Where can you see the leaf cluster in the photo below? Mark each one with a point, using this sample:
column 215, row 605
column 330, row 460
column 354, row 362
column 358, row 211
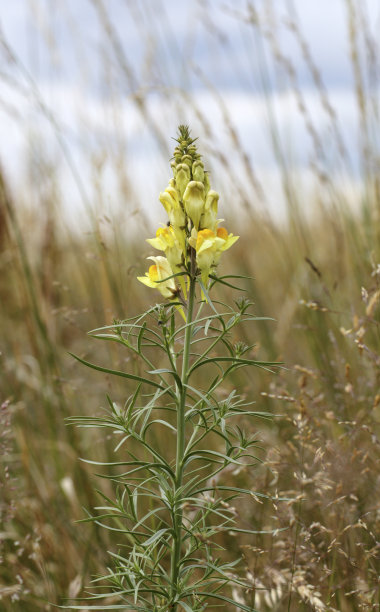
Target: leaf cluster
column 153, row 492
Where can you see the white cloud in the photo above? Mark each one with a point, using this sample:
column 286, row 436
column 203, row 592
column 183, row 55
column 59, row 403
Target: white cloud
column 102, row 132
column 110, row 141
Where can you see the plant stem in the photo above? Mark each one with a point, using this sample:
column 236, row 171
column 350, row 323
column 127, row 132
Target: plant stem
column 181, row 408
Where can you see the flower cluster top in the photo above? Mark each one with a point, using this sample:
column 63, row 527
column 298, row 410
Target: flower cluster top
column 192, row 240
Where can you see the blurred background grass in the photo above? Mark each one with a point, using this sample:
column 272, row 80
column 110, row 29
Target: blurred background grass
column 74, row 213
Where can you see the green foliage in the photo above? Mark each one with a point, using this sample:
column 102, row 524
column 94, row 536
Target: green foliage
column 168, row 514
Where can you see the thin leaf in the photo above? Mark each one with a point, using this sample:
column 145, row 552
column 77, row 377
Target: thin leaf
column 230, row 601
column 156, row 536
column 207, row 325
column 207, row 297
column 185, row 606
column 122, row 374
column 167, row 371
column 217, row 279
column 236, row 361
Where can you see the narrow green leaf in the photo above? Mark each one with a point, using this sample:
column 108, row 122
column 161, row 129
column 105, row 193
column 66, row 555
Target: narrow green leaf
column 156, row 536
column 209, row 301
column 141, row 464
column 185, row 606
column 217, row 279
column 207, row 325
column 163, row 280
column 230, row 601
column 140, row 336
column 167, row 371
column 239, row 490
column 123, row 374
column 253, row 532
column 204, row 452
column 162, row 422
column 236, row 361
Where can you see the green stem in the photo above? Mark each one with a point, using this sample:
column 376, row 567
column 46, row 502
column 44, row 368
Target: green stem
column 181, row 408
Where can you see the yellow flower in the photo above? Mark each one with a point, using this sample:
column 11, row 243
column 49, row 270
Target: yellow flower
column 166, row 241
column 198, row 171
column 209, row 217
column 170, row 201
column 225, row 241
column 182, row 177
column 209, row 247
column 160, row 271
column 194, row 200
column 205, row 247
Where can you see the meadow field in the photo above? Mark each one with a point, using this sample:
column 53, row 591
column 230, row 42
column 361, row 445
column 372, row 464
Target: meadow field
column 72, row 243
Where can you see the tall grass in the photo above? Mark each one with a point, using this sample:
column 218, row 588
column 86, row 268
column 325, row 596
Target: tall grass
column 316, row 272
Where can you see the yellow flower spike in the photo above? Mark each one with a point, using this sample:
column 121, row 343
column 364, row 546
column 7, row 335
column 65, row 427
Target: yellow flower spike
column 194, row 201
column 182, row 177
column 209, row 218
column 159, row 272
column 190, row 205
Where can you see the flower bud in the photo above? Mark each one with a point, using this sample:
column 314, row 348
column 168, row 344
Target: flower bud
column 182, row 178
column 209, row 217
column 198, row 171
column 170, row 200
column 187, row 159
column 194, row 200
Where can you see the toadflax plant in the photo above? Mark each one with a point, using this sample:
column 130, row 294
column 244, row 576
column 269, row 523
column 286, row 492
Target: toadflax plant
column 174, row 438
